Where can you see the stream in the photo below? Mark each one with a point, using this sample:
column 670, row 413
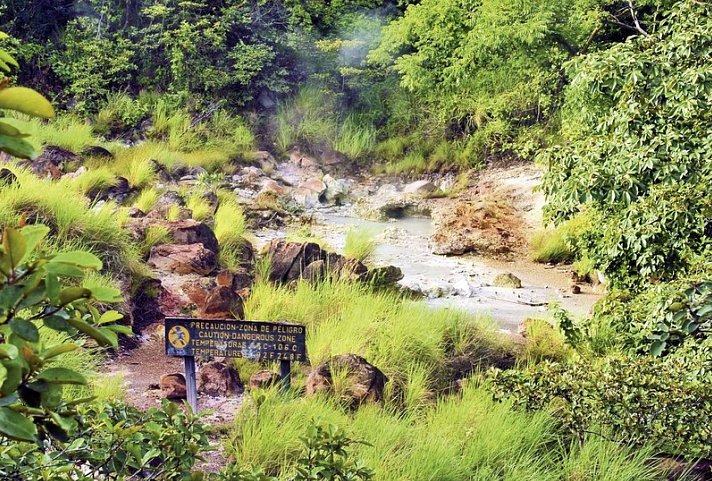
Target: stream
column 458, row 282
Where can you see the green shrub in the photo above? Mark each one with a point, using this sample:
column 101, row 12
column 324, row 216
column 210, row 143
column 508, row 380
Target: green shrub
column 114, row 441
column 32, row 297
column 665, row 403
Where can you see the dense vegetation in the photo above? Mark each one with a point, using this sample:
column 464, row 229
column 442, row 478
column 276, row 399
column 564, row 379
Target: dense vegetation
column 612, row 98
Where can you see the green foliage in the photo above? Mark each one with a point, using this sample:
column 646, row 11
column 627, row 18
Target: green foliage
column 70, row 218
column 360, row 244
column 32, row 297
column 114, row 441
column 22, row 100
column 662, row 402
column 638, row 133
column 230, row 229
column 468, row 436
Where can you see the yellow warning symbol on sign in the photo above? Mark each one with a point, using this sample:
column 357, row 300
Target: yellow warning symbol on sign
column 178, row 337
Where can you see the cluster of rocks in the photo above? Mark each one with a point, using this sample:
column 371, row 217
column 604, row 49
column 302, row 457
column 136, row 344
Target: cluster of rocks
column 187, row 269
column 390, row 202
column 291, row 261
column 362, row 381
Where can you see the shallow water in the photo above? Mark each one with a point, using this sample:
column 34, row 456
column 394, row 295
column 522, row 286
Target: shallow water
column 462, row 282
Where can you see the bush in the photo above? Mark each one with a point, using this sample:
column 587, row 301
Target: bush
column 666, row 403
column 114, row 441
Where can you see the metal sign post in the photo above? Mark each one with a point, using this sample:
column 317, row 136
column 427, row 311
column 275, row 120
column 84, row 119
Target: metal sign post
column 257, row 340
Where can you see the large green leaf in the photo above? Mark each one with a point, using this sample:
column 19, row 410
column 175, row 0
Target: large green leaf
column 17, row 146
column 25, row 329
column 110, row 316
column 79, row 259
column 8, row 351
column 61, row 375
column 27, row 101
column 16, row 426
column 91, row 331
column 57, row 350
column 13, row 242
column 33, row 234
column 106, row 294
column 71, row 294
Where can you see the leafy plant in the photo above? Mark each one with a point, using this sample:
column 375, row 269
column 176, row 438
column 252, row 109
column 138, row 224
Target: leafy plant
column 32, row 296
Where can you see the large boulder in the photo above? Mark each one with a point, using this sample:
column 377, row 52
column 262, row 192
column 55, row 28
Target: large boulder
column 219, row 379
column 336, row 189
column 421, row 188
column 486, row 226
column 384, row 276
column 183, row 259
column 52, row 162
column 173, row 386
column 363, row 381
column 290, row 259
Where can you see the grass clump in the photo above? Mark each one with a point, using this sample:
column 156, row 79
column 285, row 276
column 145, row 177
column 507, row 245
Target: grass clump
column 153, row 236
column 199, row 205
column 354, row 138
column 147, row 199
column 71, row 219
column 230, row 228
column 543, row 342
column 68, row 132
column 551, row 247
column 96, row 180
column 360, row 244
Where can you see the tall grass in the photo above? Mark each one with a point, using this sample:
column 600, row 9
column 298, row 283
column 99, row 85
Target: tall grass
column 67, row 131
column 230, row 229
column 73, row 222
column 360, row 244
column 146, row 199
column 354, row 139
column 466, row 437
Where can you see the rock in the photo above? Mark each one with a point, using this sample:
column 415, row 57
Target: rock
column 289, row 259
column 363, row 382
column 272, row 186
column 421, row 188
column 192, row 232
column 305, row 198
column 218, row 379
column 118, row 192
column 388, row 203
column 173, row 386
column 51, row 162
column 384, row 276
column 7, row 177
column 168, row 199
column 146, row 308
column 346, row 269
column 183, row 259
column 135, row 213
column 263, row 379
column 97, row 151
column 303, row 160
column 575, row 289
column 486, row 226
column 316, row 271
column 507, row 280
column 336, row 190
column 212, row 300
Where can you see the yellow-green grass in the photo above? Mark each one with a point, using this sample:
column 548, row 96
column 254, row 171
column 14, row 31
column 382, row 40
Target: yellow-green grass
column 464, row 437
column 230, row 228
column 67, row 131
column 72, row 220
column 360, row 244
column 199, row 206
column 146, row 199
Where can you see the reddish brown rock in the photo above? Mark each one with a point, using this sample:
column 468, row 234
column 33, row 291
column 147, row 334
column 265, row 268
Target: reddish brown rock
column 364, row 382
column 173, row 386
column 212, row 300
column 263, row 379
column 218, row 379
column 183, row 259
column 289, row 259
